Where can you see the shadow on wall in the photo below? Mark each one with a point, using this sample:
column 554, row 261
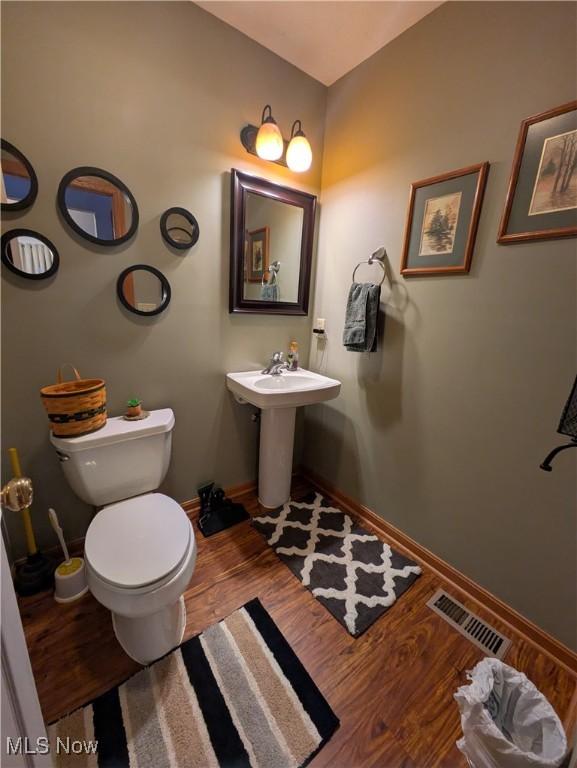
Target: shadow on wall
column 341, row 450
column 234, row 424
column 34, row 285
column 380, row 373
column 327, row 426
column 199, row 457
column 225, row 236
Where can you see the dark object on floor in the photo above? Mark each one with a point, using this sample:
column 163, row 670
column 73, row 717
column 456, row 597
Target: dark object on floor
column 567, row 426
column 236, row 695
column 34, row 575
column 217, row 513
column 354, row 574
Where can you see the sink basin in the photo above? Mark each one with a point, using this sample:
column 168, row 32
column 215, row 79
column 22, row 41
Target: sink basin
column 278, row 397
column 282, row 383
column 287, row 390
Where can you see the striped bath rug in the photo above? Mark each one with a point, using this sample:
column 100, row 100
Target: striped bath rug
column 354, row 574
column 235, row 696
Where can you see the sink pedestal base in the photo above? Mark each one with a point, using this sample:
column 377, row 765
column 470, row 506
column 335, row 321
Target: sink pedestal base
column 277, row 436
column 278, row 397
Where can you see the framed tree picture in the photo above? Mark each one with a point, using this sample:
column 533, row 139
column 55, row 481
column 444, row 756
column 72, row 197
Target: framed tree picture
column 541, row 200
column 442, row 222
column 257, row 254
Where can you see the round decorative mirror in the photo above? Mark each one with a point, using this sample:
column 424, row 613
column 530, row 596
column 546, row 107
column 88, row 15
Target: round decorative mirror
column 143, row 290
column 179, row 228
column 19, row 182
column 98, row 206
column 29, row 254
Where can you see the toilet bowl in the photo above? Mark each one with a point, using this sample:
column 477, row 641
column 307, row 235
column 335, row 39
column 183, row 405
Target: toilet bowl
column 139, row 549
column 140, row 555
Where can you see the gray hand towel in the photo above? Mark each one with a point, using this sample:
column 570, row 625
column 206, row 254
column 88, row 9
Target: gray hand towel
column 269, row 292
column 360, row 332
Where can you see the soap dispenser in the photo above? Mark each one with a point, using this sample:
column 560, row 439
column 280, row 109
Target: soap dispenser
column 293, row 356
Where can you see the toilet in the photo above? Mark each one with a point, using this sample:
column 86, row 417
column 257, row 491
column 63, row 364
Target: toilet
column 140, row 550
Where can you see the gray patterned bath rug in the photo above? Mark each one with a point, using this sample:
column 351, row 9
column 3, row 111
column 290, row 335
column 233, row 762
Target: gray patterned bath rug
column 355, row 575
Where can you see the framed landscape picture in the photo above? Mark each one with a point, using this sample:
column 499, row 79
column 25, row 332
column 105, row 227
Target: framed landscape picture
column 442, row 222
column 257, row 254
column 541, row 200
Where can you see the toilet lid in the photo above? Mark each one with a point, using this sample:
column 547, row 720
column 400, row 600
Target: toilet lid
column 138, row 541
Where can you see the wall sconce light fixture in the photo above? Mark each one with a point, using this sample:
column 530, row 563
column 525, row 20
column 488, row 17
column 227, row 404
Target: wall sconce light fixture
column 267, row 143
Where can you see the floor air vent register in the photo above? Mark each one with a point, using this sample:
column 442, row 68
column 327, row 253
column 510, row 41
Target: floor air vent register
column 483, row 635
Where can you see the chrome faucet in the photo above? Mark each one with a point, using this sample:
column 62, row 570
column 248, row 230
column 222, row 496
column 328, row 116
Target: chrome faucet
column 276, row 365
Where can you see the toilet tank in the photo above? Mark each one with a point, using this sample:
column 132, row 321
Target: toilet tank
column 123, row 459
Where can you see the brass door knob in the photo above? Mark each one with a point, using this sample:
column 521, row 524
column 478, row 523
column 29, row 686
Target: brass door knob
column 17, row 494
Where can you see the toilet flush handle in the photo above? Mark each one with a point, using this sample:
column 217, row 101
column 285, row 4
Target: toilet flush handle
column 62, row 456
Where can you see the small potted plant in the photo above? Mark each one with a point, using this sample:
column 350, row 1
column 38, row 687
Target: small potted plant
column 134, row 407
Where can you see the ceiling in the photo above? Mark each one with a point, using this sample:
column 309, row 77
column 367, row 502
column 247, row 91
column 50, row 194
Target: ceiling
column 325, row 39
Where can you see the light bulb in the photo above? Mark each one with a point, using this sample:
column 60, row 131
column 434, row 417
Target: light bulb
column 299, row 155
column 269, row 141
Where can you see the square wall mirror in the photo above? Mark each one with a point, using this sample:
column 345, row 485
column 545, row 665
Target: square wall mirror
column 271, row 243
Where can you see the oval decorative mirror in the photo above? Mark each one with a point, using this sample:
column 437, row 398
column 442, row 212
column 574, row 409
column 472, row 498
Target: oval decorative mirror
column 29, row 254
column 143, row 290
column 19, row 182
column 179, row 228
column 98, row 206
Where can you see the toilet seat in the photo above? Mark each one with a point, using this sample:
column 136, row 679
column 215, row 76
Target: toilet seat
column 138, row 543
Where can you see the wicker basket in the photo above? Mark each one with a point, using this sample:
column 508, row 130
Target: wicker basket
column 75, row 407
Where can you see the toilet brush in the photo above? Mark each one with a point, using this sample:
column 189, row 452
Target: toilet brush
column 36, row 572
column 70, row 576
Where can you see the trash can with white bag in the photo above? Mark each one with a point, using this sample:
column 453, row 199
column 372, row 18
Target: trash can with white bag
column 506, row 720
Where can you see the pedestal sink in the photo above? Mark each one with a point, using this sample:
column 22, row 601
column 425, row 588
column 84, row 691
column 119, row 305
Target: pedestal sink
column 278, row 397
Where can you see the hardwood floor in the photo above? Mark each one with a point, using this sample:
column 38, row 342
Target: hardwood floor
column 392, row 688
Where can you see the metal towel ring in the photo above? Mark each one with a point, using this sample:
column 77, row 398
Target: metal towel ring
column 378, row 257
column 273, row 270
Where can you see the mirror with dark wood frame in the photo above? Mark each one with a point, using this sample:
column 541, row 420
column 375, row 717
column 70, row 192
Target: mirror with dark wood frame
column 98, row 206
column 271, row 246
column 143, row 290
column 19, row 182
column 29, row 254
